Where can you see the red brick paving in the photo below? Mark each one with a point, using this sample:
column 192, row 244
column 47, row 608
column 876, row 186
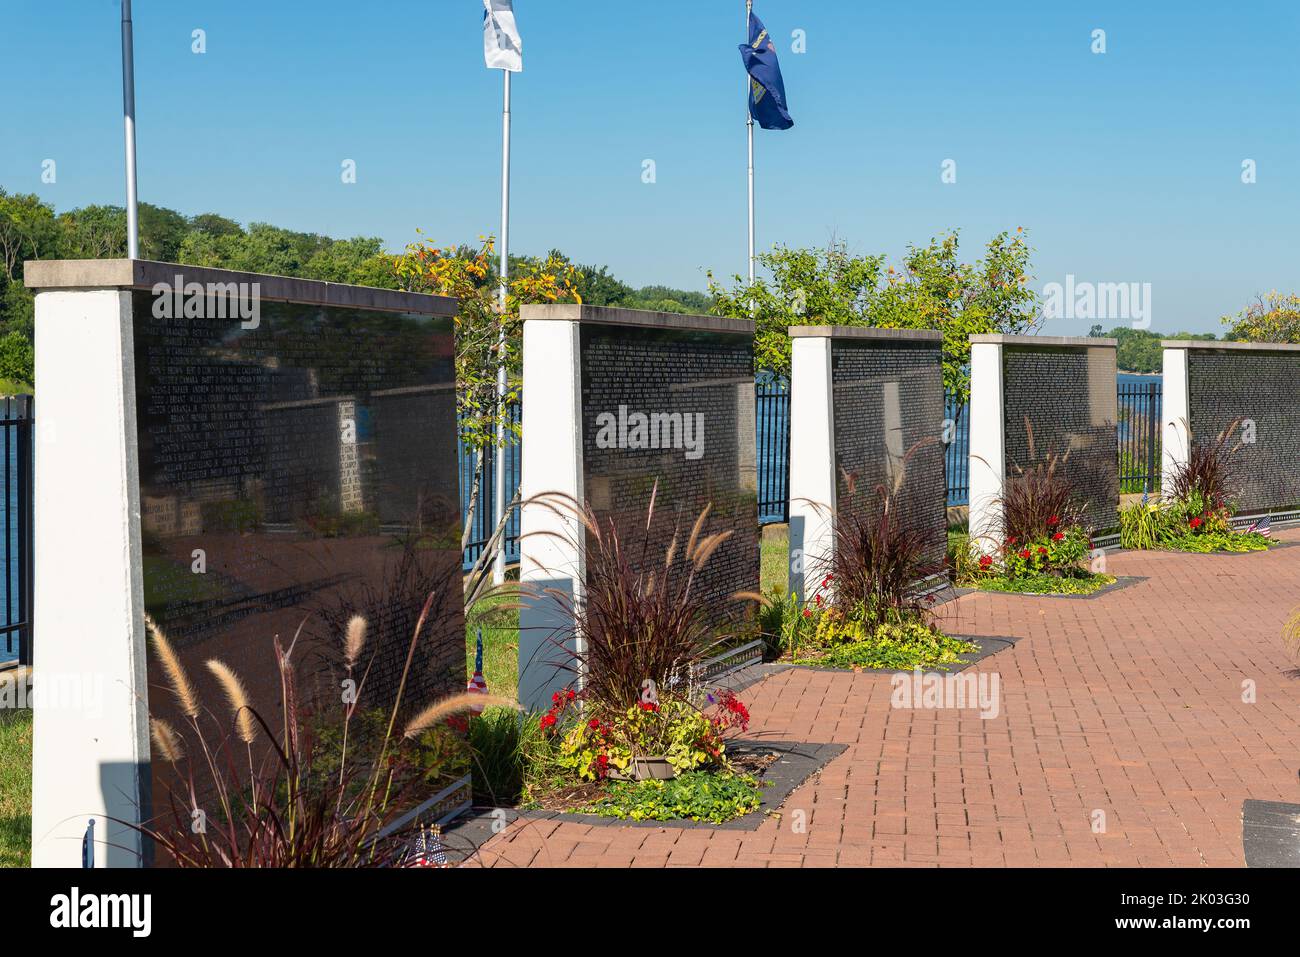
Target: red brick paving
column 1129, row 704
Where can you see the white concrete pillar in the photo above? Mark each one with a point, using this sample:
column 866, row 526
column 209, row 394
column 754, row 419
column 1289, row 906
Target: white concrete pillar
column 987, row 469
column 551, row 556
column 1175, row 417
column 812, row 463
column 90, row 755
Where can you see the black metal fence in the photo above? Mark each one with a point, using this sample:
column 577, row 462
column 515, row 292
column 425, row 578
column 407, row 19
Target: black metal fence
column 1139, row 436
column 956, row 458
column 483, row 521
column 772, row 415
column 16, row 471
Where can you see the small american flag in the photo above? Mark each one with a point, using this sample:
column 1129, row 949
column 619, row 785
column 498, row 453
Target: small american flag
column 427, row 850
column 1264, row 526
column 476, row 684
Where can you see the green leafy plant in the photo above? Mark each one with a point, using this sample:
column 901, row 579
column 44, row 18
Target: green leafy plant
column 782, row 622
column 848, row 642
column 692, row 796
column 1039, row 584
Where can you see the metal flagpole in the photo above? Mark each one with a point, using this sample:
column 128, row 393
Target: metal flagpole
column 499, row 564
column 128, row 114
column 749, row 116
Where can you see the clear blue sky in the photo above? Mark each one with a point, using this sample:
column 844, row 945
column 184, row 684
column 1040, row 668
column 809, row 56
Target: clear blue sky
column 1124, row 167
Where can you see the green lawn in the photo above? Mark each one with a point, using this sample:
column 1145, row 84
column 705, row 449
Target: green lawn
column 15, row 788
column 772, row 568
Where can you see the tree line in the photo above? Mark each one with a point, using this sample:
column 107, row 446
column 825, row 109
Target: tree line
column 930, row 288
column 30, row 228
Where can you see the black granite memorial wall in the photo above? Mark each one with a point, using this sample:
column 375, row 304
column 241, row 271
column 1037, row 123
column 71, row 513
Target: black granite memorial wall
column 293, row 474
column 696, row 392
column 888, row 416
column 1255, row 397
column 1062, row 401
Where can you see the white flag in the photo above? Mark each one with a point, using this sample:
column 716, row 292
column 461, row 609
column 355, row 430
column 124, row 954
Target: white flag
column 502, row 47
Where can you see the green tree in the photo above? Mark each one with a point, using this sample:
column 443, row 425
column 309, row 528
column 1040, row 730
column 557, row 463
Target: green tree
column 1271, row 318
column 931, row 290
column 17, row 358
column 828, row 286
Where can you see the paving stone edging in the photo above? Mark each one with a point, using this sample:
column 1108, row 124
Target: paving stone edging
column 1121, row 581
column 798, row 762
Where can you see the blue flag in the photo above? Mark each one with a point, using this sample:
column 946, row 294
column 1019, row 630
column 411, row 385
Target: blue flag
column 766, row 88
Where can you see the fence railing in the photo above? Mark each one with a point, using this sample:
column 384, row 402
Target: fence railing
column 956, row 457
column 772, row 416
column 1139, row 436
column 1139, row 457
column 16, row 472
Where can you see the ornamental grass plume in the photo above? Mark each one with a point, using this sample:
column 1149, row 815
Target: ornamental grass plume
column 176, row 676
column 236, row 697
column 643, row 614
column 165, row 740
column 291, row 805
column 354, row 640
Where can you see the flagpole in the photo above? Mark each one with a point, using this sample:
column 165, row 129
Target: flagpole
column 749, row 124
column 499, row 563
column 128, row 122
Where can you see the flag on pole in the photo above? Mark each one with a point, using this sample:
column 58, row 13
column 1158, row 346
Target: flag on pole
column 476, row 684
column 502, row 47
column 766, row 88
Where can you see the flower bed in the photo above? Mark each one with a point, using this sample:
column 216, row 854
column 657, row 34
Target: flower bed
column 583, row 757
column 1055, row 562
column 867, row 611
column 1191, row 525
column 1197, row 514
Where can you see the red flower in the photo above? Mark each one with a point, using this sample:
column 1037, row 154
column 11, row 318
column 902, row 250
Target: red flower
column 1058, row 536
column 1011, row 540
column 648, row 706
column 570, row 695
column 986, row 561
column 1024, row 553
column 594, row 724
column 1053, row 520
column 548, row 721
column 1042, row 550
column 807, row 613
column 817, row 599
column 1196, row 523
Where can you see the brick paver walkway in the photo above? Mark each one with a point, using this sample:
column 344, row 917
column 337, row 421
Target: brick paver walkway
column 1129, row 705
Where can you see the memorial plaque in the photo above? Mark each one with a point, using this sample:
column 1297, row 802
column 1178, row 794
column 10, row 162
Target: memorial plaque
column 1254, row 395
column 298, row 470
column 888, row 414
column 616, row 403
column 674, row 407
column 1061, row 400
